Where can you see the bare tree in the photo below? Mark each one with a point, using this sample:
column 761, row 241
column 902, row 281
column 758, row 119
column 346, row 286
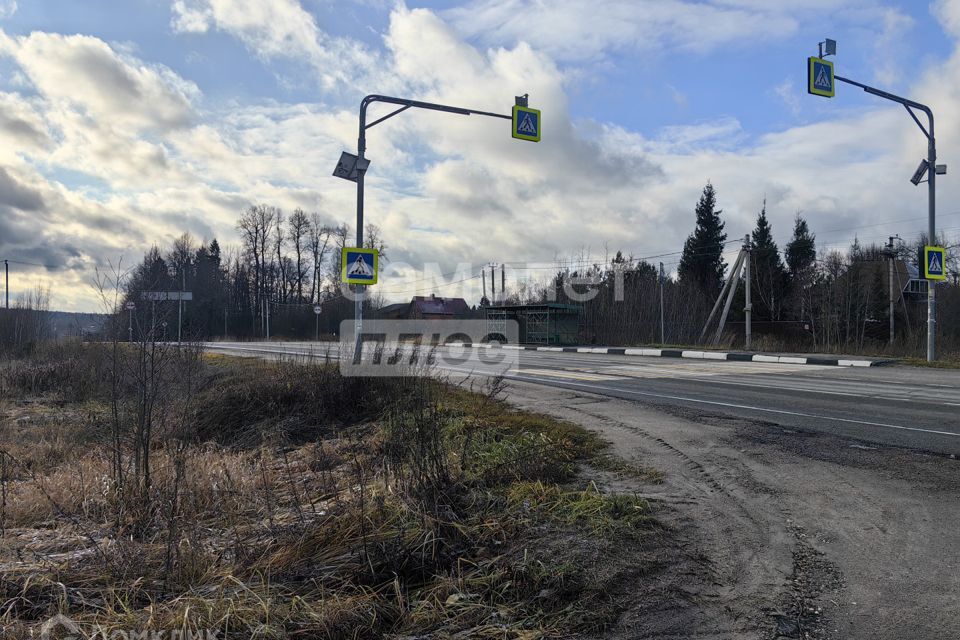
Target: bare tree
column 319, row 240
column 181, row 255
column 341, row 240
column 373, row 239
column 279, row 240
column 300, row 228
column 256, row 228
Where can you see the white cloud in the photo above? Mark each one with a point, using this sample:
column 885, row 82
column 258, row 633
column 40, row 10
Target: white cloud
column 275, row 29
column 83, row 73
column 444, row 188
column 21, row 127
column 887, row 58
column 948, row 13
column 786, row 91
column 7, row 8
column 576, row 30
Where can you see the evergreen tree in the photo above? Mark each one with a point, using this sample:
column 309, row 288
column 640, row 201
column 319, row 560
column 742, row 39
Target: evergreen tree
column 701, row 263
column 801, row 250
column 209, row 292
column 768, row 275
column 801, row 254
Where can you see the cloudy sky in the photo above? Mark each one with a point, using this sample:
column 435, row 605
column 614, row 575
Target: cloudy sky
column 124, row 123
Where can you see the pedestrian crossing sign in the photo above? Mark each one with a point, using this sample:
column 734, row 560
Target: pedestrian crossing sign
column 359, row 266
column 933, row 263
column 526, row 123
column 820, row 80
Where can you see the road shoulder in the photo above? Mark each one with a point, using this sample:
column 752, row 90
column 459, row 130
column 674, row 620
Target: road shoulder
column 803, row 534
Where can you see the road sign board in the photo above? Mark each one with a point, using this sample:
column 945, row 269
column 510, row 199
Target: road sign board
column 359, row 266
column 317, row 309
column 130, row 306
column 934, row 263
column 160, row 296
column 526, row 123
column 820, row 79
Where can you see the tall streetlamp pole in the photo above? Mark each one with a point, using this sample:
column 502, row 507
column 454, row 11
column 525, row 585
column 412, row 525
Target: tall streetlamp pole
column 891, row 254
column 663, row 340
column 928, row 166
column 931, row 169
column 361, row 169
column 748, row 307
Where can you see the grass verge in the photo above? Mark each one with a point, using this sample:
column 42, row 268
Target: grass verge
column 286, row 502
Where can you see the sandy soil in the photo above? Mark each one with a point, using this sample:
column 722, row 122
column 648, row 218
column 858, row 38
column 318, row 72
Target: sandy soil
column 780, row 532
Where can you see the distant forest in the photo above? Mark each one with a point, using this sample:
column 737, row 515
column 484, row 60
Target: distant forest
column 802, row 298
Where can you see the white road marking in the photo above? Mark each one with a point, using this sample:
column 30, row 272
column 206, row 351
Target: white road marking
column 754, row 385
column 679, row 371
column 574, row 375
column 748, row 407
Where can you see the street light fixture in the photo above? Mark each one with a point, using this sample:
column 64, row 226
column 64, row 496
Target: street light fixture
column 919, row 174
column 928, row 167
column 354, row 167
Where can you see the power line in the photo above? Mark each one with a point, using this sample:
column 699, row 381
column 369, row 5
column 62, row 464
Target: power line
column 30, row 264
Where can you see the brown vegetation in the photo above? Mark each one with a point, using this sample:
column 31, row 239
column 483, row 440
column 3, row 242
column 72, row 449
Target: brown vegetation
column 283, row 500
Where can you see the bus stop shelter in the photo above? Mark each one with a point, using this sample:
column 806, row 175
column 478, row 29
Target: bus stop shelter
column 549, row 323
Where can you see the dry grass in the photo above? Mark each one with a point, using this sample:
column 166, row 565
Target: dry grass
column 286, row 510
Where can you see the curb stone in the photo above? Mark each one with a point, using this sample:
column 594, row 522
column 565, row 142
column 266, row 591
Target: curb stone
column 732, row 356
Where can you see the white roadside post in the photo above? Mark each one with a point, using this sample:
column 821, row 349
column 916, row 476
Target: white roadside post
column 130, row 306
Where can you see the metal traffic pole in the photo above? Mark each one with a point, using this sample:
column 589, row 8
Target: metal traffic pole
column 359, row 288
column 361, row 164
column 930, row 168
column 748, row 308
column 927, row 167
column 932, row 234
column 662, row 340
column 890, row 286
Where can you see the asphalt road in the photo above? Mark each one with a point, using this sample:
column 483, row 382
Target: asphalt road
column 894, row 405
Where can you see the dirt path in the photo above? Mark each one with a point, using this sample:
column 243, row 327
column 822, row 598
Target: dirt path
column 782, row 532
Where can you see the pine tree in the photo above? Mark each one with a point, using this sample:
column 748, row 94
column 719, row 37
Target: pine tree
column 768, row 275
column 801, row 250
column 701, row 263
column 801, row 253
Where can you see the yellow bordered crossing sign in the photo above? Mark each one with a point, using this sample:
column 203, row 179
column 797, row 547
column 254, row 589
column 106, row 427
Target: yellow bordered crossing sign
column 934, row 263
column 820, row 80
column 526, row 123
column 359, row 266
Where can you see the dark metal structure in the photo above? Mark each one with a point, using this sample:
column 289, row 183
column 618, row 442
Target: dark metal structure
column 362, row 164
column 549, row 323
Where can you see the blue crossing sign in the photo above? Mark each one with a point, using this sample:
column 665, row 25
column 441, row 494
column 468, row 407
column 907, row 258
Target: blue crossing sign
column 359, row 266
column 820, row 80
column 934, row 263
column 526, row 123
